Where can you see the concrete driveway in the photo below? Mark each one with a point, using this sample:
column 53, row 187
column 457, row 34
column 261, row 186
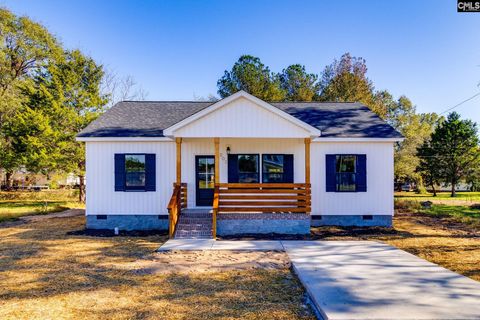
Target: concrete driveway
column 370, row 280
column 366, row 279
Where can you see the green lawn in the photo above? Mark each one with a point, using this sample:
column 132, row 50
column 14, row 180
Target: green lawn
column 466, row 196
column 464, row 214
column 17, row 203
column 10, row 210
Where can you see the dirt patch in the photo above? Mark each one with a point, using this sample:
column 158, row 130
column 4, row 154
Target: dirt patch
column 211, row 261
column 447, row 223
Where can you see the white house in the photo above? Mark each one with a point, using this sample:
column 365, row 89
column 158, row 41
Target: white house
column 248, row 166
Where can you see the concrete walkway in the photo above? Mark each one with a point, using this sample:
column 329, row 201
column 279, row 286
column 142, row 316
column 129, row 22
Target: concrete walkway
column 210, row 244
column 366, row 279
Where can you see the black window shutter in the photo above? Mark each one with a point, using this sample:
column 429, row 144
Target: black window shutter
column 150, row 172
column 119, row 172
column 288, row 168
column 361, row 174
column 232, row 168
column 330, row 173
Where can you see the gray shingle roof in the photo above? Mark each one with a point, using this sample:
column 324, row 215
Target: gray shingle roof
column 149, row 119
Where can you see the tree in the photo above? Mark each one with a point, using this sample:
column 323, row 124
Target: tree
column 429, row 166
column 209, row 98
column 251, row 75
column 474, row 178
column 117, row 88
column 26, row 48
column 455, row 144
column 298, row 84
column 416, row 128
column 345, row 80
column 63, row 100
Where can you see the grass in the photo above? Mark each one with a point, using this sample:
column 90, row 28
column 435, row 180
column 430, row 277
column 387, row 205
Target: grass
column 14, row 205
column 454, row 211
column 464, row 214
column 52, row 195
column 46, row 272
column 441, row 196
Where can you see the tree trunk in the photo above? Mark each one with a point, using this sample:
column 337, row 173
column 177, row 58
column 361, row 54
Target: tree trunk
column 433, row 189
column 81, row 189
column 453, row 189
column 9, row 180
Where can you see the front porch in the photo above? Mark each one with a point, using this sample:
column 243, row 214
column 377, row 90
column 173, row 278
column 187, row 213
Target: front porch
column 251, row 206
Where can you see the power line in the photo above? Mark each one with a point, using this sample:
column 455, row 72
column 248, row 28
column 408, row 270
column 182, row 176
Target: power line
column 459, row 104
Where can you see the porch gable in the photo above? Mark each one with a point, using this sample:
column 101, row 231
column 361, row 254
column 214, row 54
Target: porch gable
column 242, row 116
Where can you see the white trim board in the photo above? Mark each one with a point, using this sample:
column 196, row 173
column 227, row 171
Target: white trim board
column 126, row 139
column 320, row 139
column 167, row 139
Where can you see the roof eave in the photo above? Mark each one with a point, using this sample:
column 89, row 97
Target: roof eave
column 358, row 139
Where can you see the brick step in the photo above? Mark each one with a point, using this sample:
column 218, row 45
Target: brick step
column 194, row 221
column 193, row 227
column 192, row 233
column 193, row 237
column 179, row 231
column 196, row 216
column 194, row 224
column 188, row 234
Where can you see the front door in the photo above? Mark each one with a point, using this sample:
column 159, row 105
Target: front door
column 205, row 179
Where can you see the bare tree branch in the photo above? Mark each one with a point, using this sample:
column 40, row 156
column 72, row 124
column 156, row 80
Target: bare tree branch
column 121, row 88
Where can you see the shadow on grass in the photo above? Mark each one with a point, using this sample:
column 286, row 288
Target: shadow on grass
column 50, row 266
column 61, row 261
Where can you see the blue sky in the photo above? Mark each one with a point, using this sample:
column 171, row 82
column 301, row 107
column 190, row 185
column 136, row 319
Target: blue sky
column 178, row 49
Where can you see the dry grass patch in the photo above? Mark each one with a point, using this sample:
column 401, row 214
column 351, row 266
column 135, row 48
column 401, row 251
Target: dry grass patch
column 47, row 273
column 441, row 240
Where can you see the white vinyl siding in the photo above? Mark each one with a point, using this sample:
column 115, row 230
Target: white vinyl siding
column 100, row 177
column 242, row 118
column 102, row 199
column 378, row 200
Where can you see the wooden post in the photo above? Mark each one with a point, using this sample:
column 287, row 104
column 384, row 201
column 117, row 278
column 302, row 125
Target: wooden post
column 216, row 141
column 215, row 210
column 217, row 159
column 307, row 160
column 179, row 159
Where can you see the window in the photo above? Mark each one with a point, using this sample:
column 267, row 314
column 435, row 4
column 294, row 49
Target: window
column 273, row 168
column 134, row 171
column 206, row 172
column 277, row 168
column 248, row 168
column 346, row 173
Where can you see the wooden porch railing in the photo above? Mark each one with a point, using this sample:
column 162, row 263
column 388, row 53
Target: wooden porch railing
column 261, row 197
column 178, row 201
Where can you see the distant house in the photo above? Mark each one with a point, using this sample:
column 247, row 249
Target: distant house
column 240, row 165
